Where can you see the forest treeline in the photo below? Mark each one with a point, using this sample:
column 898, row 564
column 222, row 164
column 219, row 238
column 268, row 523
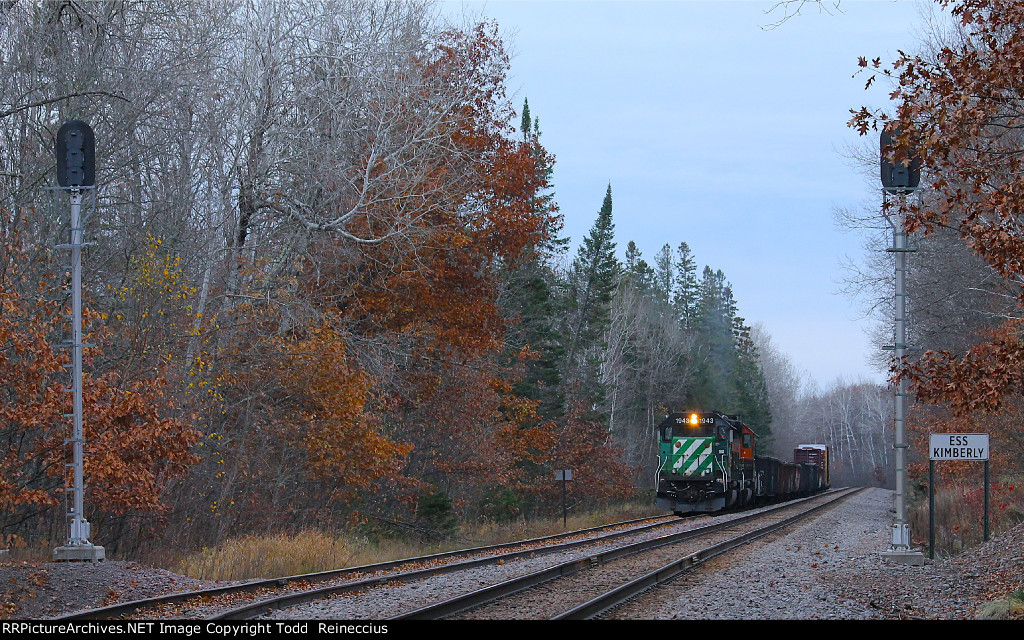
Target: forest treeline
column 326, row 285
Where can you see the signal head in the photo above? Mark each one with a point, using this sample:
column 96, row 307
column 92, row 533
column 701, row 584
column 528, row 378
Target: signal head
column 75, row 149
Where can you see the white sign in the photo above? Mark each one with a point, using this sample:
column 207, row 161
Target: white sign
column 563, row 474
column 958, row 446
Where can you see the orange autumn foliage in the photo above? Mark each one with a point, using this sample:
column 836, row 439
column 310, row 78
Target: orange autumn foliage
column 431, row 294
column 440, row 300
column 586, row 447
column 29, row 406
column 132, row 447
column 326, row 412
column 958, row 111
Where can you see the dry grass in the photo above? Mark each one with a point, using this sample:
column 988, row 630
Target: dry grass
column 18, row 550
column 1008, row 608
column 959, row 516
column 309, row 551
column 268, row 556
column 495, row 533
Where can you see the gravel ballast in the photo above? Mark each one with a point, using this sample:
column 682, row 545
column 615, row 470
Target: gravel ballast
column 832, row 568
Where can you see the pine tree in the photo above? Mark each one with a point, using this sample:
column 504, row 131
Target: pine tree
column 729, row 378
column 592, row 281
column 524, row 124
column 545, row 198
column 713, row 390
column 535, row 327
column 750, row 388
column 686, row 296
column 632, row 257
column 664, row 275
column 637, row 273
column 532, row 308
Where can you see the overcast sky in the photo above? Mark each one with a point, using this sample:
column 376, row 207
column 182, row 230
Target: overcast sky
column 717, row 130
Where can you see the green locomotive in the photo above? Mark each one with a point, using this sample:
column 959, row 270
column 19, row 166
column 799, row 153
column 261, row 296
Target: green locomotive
column 707, row 463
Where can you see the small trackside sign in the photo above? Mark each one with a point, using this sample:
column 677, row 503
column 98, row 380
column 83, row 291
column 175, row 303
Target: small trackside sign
column 958, row 446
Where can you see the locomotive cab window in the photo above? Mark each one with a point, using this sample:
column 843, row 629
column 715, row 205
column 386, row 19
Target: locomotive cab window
column 748, row 441
column 685, row 426
column 689, row 431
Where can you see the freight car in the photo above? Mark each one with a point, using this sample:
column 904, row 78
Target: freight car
column 708, row 464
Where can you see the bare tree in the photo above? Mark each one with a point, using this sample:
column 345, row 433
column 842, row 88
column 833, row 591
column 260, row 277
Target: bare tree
column 786, row 388
column 792, row 8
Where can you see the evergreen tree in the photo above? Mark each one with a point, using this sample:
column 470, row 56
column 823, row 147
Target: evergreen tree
column 545, row 199
column 632, row 257
column 686, row 297
column 750, row 388
column 591, row 284
column 532, row 309
column 713, row 390
column 535, row 327
column 637, row 273
column 524, row 124
column 729, row 378
column 664, row 275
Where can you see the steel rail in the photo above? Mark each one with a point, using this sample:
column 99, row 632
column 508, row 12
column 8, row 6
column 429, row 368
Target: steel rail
column 617, row 596
column 125, row 608
column 515, row 585
column 261, row 607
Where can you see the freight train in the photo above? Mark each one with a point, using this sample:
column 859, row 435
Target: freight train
column 708, row 464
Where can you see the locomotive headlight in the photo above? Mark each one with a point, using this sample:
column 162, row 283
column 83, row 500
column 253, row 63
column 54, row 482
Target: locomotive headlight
column 694, row 420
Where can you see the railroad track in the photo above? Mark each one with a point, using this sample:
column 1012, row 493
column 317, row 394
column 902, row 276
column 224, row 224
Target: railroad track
column 587, row 587
column 663, row 547
column 502, row 595
column 198, row 603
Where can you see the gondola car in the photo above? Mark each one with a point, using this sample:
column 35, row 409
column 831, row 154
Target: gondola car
column 707, row 463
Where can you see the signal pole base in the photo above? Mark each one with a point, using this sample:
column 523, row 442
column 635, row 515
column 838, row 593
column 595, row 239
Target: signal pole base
column 913, row 558
column 79, row 553
column 899, row 548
